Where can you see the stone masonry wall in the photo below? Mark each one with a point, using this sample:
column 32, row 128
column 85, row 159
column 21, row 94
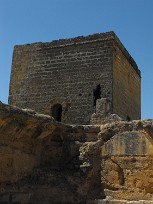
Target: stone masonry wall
column 68, row 72
column 127, row 160
column 62, row 72
column 126, row 86
column 44, row 161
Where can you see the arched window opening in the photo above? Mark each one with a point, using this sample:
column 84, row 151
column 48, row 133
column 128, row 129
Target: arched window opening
column 57, row 112
column 96, row 94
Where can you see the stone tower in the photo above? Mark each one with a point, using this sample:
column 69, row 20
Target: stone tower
column 64, row 78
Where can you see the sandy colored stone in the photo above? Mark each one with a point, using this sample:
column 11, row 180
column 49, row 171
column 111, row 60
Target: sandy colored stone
column 43, row 161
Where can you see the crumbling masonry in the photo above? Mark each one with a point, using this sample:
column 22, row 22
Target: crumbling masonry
column 50, row 158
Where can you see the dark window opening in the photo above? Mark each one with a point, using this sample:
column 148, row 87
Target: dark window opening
column 57, row 112
column 128, row 118
column 96, row 94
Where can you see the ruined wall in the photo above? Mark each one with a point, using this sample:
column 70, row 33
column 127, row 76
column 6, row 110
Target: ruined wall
column 126, row 85
column 45, row 162
column 62, row 72
column 127, row 160
column 41, row 160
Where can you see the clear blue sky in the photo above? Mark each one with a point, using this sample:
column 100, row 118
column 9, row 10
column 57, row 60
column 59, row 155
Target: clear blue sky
column 26, row 21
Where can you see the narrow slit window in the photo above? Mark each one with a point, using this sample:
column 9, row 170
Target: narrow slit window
column 96, row 94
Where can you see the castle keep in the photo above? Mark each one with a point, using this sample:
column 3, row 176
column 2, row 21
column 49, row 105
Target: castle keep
column 77, row 81
column 64, row 78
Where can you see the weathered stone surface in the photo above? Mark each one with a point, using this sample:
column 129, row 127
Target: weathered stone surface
column 43, row 161
column 127, row 160
column 72, row 74
column 102, row 114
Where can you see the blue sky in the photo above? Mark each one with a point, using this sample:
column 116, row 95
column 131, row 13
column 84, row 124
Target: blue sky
column 27, row 21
